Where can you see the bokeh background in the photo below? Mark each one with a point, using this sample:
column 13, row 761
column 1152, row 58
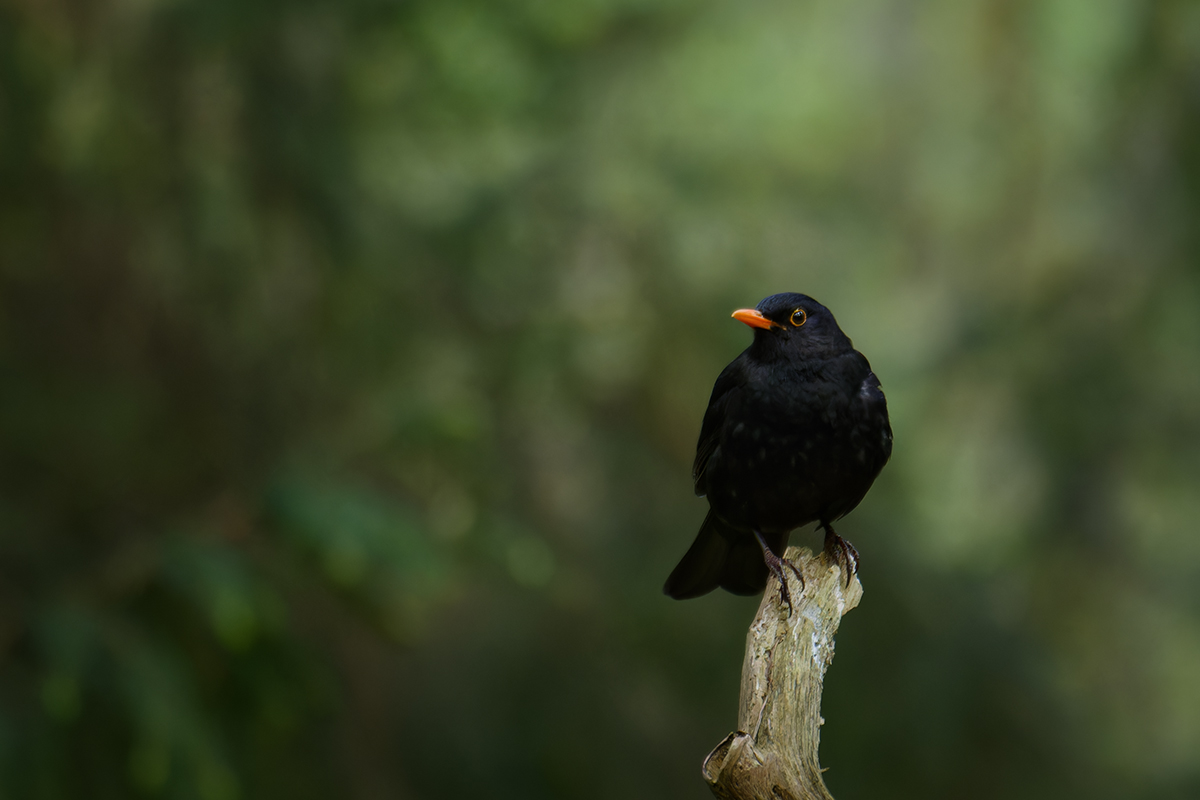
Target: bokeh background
column 352, row 356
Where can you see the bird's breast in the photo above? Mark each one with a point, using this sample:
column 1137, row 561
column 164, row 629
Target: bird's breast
column 793, row 452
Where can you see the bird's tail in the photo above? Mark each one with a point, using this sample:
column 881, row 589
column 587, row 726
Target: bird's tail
column 722, row 556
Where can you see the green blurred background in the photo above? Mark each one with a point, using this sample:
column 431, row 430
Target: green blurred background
column 352, row 356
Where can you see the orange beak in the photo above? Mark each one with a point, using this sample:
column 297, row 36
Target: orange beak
column 754, row 318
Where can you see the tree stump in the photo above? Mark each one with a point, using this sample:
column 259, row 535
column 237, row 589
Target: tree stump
column 773, row 753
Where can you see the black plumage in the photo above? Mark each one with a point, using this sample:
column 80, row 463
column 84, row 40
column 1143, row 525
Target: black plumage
column 795, row 432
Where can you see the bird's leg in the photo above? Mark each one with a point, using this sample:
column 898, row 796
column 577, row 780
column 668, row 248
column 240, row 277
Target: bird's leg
column 776, row 565
column 841, row 551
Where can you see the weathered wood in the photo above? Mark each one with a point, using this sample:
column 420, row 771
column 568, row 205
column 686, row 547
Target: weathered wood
column 773, row 753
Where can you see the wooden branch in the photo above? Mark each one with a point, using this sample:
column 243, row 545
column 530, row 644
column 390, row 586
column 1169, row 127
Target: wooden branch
column 773, row 753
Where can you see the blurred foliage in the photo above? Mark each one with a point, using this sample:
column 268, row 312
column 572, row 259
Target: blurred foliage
column 352, row 357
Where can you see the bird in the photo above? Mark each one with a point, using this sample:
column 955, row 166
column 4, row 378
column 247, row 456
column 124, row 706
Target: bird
column 796, row 431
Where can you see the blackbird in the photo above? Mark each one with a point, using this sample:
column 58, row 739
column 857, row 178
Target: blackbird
column 795, row 432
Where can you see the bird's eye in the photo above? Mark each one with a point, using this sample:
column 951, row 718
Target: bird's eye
column 799, row 317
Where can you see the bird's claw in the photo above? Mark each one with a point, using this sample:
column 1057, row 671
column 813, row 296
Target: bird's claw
column 842, row 553
column 776, row 564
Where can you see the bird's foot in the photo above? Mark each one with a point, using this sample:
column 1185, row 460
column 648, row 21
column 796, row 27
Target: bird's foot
column 842, row 552
column 776, row 565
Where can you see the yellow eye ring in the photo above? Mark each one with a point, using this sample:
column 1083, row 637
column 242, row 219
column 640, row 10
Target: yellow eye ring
column 799, row 317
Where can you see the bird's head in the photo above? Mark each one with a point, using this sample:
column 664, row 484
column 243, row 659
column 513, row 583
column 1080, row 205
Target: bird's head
column 795, row 324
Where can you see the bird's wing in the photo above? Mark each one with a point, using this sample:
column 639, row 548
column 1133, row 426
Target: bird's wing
column 871, row 395
column 728, row 383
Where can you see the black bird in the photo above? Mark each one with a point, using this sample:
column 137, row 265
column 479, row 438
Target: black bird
column 795, row 432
